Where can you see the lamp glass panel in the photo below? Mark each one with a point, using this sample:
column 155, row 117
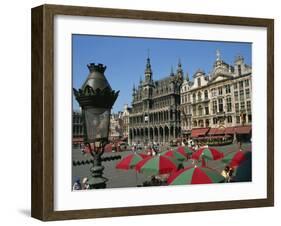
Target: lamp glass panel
column 97, row 123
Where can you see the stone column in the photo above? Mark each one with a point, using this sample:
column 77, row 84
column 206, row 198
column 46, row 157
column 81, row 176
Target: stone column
column 169, row 134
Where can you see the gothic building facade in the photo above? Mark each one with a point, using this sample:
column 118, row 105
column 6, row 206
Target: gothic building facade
column 219, row 99
column 155, row 113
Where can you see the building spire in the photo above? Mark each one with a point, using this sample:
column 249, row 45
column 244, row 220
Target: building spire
column 148, row 71
column 179, row 63
column 179, row 70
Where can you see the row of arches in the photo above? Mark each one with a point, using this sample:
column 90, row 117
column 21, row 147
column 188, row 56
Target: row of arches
column 161, row 116
column 161, row 134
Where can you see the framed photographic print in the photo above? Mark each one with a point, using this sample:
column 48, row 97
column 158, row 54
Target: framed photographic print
column 141, row 112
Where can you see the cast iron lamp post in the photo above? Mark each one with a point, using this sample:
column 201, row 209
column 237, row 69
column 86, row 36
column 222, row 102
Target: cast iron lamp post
column 96, row 99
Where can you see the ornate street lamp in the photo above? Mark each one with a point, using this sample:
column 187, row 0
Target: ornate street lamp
column 96, row 99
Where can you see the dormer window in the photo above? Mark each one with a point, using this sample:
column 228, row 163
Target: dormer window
column 239, row 70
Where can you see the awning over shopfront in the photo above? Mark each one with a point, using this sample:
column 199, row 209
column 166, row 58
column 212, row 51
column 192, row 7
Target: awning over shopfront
column 216, row 131
column 230, row 130
column 199, row 132
column 238, row 130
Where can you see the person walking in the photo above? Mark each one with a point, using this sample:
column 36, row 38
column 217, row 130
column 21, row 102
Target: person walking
column 77, row 184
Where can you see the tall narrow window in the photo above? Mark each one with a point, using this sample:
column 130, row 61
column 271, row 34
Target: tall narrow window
column 247, row 93
column 248, row 106
column 236, row 95
column 194, row 97
column 206, row 110
column 247, row 82
column 241, row 94
column 236, row 107
column 206, row 94
column 194, row 112
column 237, row 119
column 215, row 107
column 228, row 104
column 242, row 105
column 229, row 119
column 227, row 89
column 241, row 85
column 215, row 121
column 220, row 90
column 220, row 105
column 199, row 96
column 200, row 110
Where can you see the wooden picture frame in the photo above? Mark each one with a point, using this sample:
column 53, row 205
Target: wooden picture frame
column 42, row 203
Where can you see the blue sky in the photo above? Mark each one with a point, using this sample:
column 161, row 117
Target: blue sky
column 125, row 59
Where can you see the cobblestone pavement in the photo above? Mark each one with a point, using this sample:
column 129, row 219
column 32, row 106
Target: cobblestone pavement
column 130, row 178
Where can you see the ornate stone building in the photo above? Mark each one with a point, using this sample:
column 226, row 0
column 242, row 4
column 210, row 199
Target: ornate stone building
column 116, row 126
column 155, row 114
column 125, row 117
column 219, row 99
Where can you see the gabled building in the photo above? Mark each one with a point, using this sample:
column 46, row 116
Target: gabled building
column 221, row 99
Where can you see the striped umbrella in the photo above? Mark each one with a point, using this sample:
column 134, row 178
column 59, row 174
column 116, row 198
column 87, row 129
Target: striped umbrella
column 130, row 161
column 207, row 153
column 191, row 163
column 175, row 154
column 235, row 158
column 195, row 175
column 159, row 164
column 186, row 150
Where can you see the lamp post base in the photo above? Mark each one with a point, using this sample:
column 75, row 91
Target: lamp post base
column 97, row 181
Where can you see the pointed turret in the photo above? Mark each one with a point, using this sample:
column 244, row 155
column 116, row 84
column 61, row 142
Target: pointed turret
column 148, row 71
column 179, row 70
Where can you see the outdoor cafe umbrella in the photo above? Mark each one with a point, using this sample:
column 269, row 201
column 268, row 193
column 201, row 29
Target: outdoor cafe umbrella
column 175, row 154
column 195, row 175
column 188, row 151
column 235, row 158
column 130, row 161
column 191, row 163
column 158, row 164
column 207, row 153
